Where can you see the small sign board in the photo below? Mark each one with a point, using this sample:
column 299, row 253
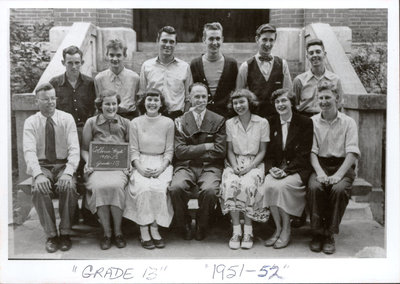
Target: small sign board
column 109, row 156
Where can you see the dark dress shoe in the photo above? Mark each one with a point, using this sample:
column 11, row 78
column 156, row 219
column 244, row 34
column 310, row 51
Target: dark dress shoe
column 328, row 245
column 187, row 233
column 65, row 242
column 119, row 241
column 298, row 222
column 316, row 243
column 105, row 243
column 147, row 244
column 159, row 243
column 52, row 244
column 200, row 233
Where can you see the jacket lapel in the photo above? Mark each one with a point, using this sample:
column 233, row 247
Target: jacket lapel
column 207, row 123
column 190, row 123
column 292, row 132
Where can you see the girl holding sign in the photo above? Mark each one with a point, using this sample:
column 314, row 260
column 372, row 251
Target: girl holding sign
column 152, row 148
column 106, row 189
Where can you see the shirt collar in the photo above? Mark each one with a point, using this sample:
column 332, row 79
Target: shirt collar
column 327, row 74
column 64, row 79
column 159, row 61
column 253, row 118
column 286, row 121
column 54, row 117
column 101, row 119
column 338, row 117
column 114, row 76
column 201, row 114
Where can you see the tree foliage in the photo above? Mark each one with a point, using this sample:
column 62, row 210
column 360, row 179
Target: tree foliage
column 28, row 59
column 370, row 63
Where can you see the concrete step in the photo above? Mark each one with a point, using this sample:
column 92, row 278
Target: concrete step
column 358, row 211
column 361, row 190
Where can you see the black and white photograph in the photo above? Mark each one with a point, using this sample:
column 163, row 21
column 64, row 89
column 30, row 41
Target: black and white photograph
column 215, row 142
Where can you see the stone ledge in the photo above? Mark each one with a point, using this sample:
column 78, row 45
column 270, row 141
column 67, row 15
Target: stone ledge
column 360, row 187
column 25, row 101
column 365, row 102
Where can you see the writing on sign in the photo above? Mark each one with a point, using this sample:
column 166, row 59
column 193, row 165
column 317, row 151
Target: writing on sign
column 109, row 156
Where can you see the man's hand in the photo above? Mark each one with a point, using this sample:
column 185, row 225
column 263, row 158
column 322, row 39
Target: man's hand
column 42, row 184
column 323, row 178
column 64, row 183
column 334, row 179
column 209, row 146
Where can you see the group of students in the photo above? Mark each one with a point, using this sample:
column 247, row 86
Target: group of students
column 240, row 137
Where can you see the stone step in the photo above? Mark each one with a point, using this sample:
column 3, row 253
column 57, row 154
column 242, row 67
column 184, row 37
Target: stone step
column 358, row 211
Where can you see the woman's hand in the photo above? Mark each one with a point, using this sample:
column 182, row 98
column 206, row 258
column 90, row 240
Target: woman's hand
column 146, row 172
column 157, row 172
column 87, row 170
column 277, row 173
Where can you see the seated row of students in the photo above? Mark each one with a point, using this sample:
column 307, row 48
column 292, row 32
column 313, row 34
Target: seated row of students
column 203, row 141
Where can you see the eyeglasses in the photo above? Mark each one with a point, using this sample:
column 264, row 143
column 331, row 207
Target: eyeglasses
column 51, row 99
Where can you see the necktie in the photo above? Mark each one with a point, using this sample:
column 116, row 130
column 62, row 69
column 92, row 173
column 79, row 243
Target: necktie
column 50, row 147
column 198, row 120
column 265, row 58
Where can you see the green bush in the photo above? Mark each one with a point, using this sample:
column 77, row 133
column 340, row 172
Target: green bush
column 370, row 63
column 28, row 59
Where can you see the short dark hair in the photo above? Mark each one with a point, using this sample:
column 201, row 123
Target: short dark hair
column 71, row 50
column 103, row 94
column 215, row 26
column 154, row 93
column 169, row 30
column 198, row 84
column 116, row 43
column 290, row 95
column 43, row 87
column 330, row 86
column 244, row 93
column 315, row 41
column 265, row 28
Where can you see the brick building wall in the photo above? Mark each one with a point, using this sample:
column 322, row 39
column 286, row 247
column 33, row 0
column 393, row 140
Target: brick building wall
column 66, row 16
column 361, row 21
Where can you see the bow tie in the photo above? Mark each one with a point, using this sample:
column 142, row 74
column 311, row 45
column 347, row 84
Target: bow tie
column 266, row 58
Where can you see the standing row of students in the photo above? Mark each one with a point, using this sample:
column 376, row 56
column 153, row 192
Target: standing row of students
column 200, row 149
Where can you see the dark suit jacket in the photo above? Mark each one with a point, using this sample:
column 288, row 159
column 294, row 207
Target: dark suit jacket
column 295, row 158
column 189, row 140
column 226, row 83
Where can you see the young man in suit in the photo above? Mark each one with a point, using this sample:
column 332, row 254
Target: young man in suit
column 217, row 71
column 333, row 156
column 51, row 152
column 200, row 140
column 263, row 73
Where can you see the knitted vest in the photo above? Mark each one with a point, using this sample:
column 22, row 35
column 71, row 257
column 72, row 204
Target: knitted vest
column 263, row 89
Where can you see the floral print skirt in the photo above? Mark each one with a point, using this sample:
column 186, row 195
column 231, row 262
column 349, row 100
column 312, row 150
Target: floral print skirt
column 242, row 193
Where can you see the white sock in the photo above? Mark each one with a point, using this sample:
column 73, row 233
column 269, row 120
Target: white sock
column 144, row 233
column 248, row 229
column 154, row 232
column 237, row 230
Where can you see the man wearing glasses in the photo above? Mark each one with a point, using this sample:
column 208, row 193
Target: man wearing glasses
column 51, row 152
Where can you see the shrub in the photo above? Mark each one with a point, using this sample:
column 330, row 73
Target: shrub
column 370, row 63
column 28, row 59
